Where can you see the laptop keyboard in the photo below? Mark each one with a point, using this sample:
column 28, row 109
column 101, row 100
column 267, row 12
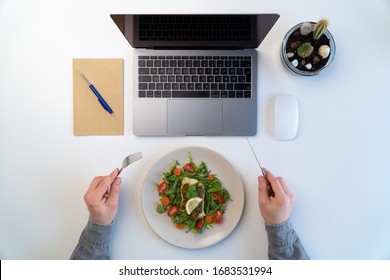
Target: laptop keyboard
column 194, row 76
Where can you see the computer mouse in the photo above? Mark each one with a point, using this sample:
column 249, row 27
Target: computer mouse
column 286, row 117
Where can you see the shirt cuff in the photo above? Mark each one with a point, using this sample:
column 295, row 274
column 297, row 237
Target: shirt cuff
column 281, row 235
column 97, row 235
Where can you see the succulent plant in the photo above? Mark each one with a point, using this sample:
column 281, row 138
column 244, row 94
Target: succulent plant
column 306, row 28
column 320, row 28
column 305, row 50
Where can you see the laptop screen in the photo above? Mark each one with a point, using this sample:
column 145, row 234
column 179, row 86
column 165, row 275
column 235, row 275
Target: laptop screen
column 229, row 31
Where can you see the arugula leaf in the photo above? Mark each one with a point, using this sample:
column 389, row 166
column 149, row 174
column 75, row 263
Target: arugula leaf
column 191, row 193
column 160, row 208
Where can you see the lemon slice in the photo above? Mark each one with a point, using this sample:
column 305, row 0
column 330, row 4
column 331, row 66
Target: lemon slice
column 192, row 203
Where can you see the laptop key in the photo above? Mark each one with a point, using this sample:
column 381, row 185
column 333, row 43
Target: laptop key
column 175, row 86
column 142, row 86
column 215, row 94
column 190, row 94
column 166, row 93
column 144, row 79
column 245, row 63
column 165, row 63
column 143, row 71
column 149, row 63
column 141, row 63
column 248, row 74
column 242, row 86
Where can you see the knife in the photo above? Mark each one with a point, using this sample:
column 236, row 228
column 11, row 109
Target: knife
column 269, row 188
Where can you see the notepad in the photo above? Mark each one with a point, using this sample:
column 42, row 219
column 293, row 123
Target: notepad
column 89, row 117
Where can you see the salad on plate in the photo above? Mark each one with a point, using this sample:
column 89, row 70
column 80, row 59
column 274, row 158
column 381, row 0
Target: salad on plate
column 192, row 197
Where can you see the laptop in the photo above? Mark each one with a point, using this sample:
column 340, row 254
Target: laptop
column 195, row 74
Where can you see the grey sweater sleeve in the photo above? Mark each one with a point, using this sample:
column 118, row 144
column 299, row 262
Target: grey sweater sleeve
column 93, row 243
column 284, row 243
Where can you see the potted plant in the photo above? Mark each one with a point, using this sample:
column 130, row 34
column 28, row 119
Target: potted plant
column 308, row 48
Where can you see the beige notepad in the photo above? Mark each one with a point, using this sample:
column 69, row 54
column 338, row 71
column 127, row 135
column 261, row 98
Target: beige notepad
column 89, row 117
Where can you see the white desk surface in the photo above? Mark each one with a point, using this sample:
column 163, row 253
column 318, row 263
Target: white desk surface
column 337, row 167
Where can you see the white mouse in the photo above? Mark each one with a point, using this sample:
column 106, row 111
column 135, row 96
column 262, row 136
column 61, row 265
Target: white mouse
column 286, row 117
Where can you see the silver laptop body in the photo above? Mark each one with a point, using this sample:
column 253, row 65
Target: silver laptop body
column 205, row 84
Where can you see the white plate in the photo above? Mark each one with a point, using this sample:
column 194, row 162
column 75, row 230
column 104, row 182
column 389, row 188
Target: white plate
column 162, row 224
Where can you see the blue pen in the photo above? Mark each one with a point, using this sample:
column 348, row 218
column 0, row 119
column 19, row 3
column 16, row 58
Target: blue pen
column 99, row 97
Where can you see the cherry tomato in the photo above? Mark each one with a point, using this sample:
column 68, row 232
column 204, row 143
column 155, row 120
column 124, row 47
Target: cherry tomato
column 177, row 171
column 162, row 188
column 217, row 216
column 173, row 211
column 199, row 225
column 179, row 226
column 211, row 177
column 208, row 219
column 219, row 198
column 188, row 167
column 165, row 201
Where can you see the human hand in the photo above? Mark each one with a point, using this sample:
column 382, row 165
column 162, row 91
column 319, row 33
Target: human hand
column 274, row 209
column 102, row 197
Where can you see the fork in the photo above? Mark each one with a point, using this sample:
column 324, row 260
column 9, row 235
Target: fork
column 126, row 162
column 129, row 160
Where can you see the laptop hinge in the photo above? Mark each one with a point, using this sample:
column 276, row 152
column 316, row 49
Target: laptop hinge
column 197, row 48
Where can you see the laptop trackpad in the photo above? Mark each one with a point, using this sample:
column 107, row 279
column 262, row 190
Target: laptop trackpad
column 194, row 117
